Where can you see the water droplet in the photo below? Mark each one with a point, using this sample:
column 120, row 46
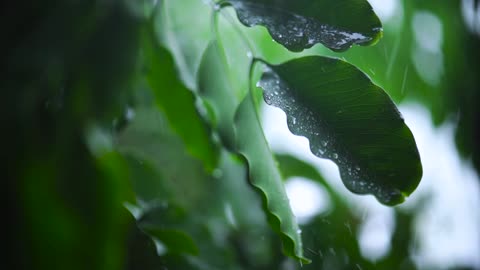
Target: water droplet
column 335, row 155
column 357, row 168
column 299, row 231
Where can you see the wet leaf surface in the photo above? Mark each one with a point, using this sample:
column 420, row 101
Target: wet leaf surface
column 348, row 120
column 300, row 24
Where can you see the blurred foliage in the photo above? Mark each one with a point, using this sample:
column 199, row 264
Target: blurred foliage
column 111, row 161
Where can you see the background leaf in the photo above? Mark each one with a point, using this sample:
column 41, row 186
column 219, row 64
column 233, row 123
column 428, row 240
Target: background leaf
column 300, row 24
column 349, row 120
column 177, row 102
column 217, row 92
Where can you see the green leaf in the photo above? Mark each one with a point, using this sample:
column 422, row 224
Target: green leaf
column 240, row 127
column 300, row 24
column 177, row 102
column 158, row 158
column 291, row 166
column 341, row 224
column 141, row 250
column 169, row 224
column 172, row 198
column 349, row 120
column 217, row 92
column 175, row 240
column 265, row 176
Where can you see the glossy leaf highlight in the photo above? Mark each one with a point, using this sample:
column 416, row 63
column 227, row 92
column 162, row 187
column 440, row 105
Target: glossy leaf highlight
column 300, row 24
column 348, row 120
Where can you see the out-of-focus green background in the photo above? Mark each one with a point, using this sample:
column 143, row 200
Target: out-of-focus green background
column 97, row 162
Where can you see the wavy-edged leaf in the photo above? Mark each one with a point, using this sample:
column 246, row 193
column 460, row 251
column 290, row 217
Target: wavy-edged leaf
column 176, row 101
column 300, row 24
column 265, row 176
column 238, row 124
column 349, row 120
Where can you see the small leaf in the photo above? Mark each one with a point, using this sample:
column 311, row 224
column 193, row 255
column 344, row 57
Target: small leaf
column 349, row 120
column 300, row 24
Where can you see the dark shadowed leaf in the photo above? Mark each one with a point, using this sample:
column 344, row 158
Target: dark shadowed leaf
column 349, row 120
column 300, row 24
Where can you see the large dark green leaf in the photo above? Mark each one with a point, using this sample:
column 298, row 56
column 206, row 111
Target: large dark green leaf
column 300, row 24
column 349, row 120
